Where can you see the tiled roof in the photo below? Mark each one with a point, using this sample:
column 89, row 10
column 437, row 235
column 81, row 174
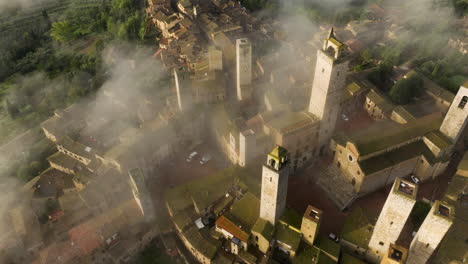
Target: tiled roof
column 230, row 227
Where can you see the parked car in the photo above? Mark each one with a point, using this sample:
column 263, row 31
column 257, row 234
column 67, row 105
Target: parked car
column 205, row 159
column 345, row 118
column 414, row 179
column 192, row 156
column 334, row 237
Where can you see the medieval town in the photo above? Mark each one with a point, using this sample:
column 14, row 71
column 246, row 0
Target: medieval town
column 265, row 148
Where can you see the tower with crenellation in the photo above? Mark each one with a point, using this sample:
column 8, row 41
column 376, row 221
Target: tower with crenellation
column 274, row 185
column 329, row 81
column 455, row 121
column 430, row 234
column 392, row 218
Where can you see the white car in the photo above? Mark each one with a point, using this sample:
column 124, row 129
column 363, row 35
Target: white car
column 414, row 179
column 205, row 159
column 192, row 156
column 345, row 118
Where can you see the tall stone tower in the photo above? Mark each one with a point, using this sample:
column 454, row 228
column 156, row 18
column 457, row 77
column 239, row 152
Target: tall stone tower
column 243, row 68
column 329, row 81
column 395, row 255
column 183, row 88
column 431, row 232
column 274, row 185
column 310, row 224
column 393, row 216
column 456, row 118
column 247, row 146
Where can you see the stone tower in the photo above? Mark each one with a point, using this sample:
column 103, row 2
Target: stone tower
column 243, row 68
column 247, row 145
column 183, row 88
column 393, row 216
column 431, row 232
column 329, row 81
column 310, row 224
column 456, row 118
column 274, row 185
column 395, row 255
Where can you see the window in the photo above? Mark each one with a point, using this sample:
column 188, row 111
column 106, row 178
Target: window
column 350, row 158
column 353, row 181
column 338, row 73
column 341, row 151
column 381, row 243
column 368, row 105
column 338, row 164
column 323, row 69
column 270, row 179
column 391, row 223
column 463, row 102
column 427, row 245
column 256, row 238
column 358, row 172
column 422, row 161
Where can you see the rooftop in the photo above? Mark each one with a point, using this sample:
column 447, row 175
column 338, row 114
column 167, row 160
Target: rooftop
column 264, row 228
column 313, row 213
column 383, row 135
column 62, row 160
column 291, row 218
column 287, row 235
column 406, row 188
column 205, row 246
column 439, row 139
column 228, row 225
column 328, row 246
column 246, row 210
column 396, row 156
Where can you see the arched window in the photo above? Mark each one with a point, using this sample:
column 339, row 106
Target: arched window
column 463, row 102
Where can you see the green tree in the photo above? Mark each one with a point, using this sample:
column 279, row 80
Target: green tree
column 407, row 88
column 419, row 213
column 63, row 31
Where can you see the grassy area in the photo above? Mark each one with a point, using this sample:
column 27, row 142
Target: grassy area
column 357, row 228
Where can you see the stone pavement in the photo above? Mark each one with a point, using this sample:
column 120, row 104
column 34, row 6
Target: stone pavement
column 335, row 185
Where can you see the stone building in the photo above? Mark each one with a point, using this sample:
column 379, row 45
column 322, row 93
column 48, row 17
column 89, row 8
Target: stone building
column 451, row 249
column 430, row 234
column 311, row 224
column 373, row 158
column 457, row 116
column 329, row 81
column 243, row 69
column 393, row 216
column 274, row 185
column 378, row 106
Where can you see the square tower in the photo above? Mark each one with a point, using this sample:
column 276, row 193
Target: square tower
column 393, row 216
column 274, row 185
column 243, row 69
column 183, row 88
column 310, row 224
column 431, row 232
column 329, row 81
column 456, row 118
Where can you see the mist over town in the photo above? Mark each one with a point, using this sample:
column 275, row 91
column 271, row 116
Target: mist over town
column 234, row 131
